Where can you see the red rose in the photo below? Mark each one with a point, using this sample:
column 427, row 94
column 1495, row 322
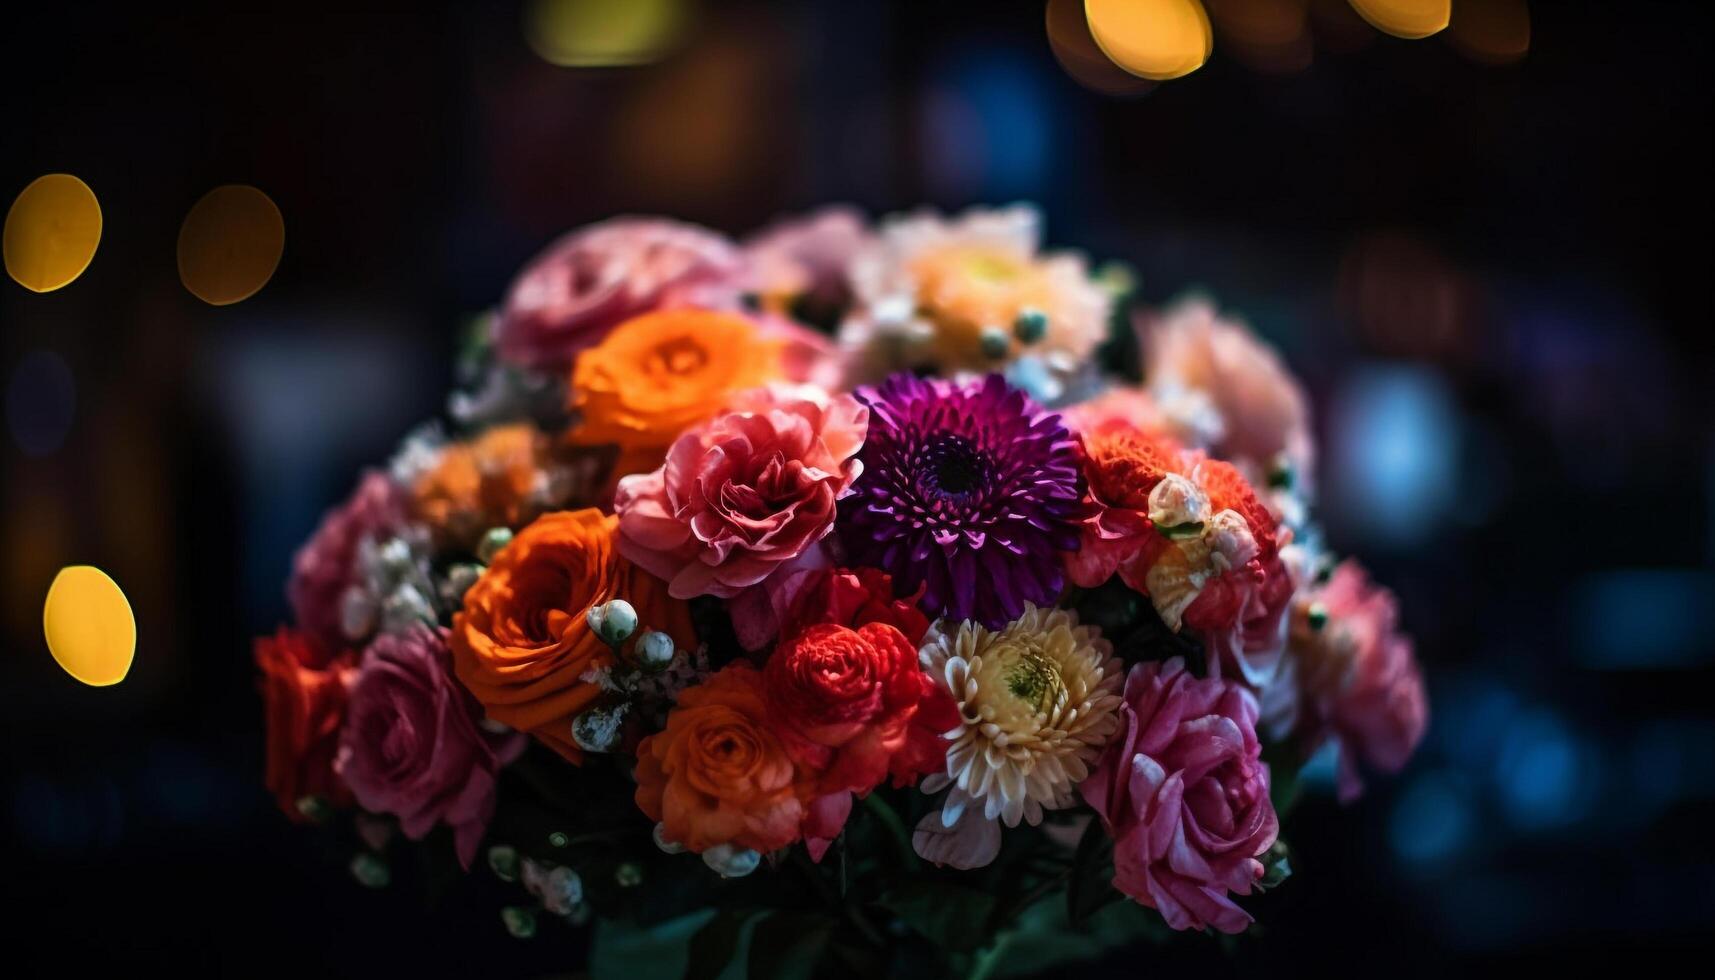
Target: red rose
column 304, row 693
column 844, row 701
column 853, row 597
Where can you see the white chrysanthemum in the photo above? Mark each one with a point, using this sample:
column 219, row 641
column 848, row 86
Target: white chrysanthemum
column 1038, row 700
column 971, row 293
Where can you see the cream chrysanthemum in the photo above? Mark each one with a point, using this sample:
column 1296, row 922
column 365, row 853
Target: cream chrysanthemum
column 1038, row 699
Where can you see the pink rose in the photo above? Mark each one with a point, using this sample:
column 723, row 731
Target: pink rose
column 1184, row 793
column 747, row 495
column 1360, row 679
column 589, row 281
column 809, row 255
column 412, row 745
column 1227, row 390
column 322, row 568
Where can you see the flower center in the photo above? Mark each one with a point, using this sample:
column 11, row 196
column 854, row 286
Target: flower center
column 681, row 355
column 1034, row 679
column 955, row 467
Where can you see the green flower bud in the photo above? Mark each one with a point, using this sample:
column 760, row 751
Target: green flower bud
column 495, row 539
column 1317, row 616
column 1030, row 326
column 614, row 621
column 520, row 921
column 628, row 875
column 994, row 343
column 370, row 871
column 654, row 650
column 503, row 861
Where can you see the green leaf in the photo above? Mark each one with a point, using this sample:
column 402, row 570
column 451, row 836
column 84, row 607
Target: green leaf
column 787, row 945
column 716, row 944
column 1090, row 885
column 623, row 950
column 1276, row 864
column 947, row 914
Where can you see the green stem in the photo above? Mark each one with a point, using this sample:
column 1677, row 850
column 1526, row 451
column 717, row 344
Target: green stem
column 879, row 808
column 989, row 958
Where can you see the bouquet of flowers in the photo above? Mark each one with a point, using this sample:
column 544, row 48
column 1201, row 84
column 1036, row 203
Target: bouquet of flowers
column 852, row 599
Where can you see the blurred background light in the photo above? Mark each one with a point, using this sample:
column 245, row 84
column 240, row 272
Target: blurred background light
column 595, row 33
column 1495, row 32
column 1154, row 39
column 1266, row 35
column 89, row 627
column 986, row 128
column 1644, row 619
column 41, row 399
column 1395, row 450
column 1544, row 774
column 230, row 244
column 52, row 231
column 1409, row 19
column 1073, row 46
column 1432, row 820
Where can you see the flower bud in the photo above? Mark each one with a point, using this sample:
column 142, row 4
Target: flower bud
column 406, row 607
column 614, row 621
column 562, row 891
column 494, row 539
column 666, row 846
column 370, row 871
column 520, row 921
column 503, row 861
column 1030, row 326
column 731, row 862
column 994, row 343
column 655, row 650
column 597, row 729
column 628, row 875
column 460, row 577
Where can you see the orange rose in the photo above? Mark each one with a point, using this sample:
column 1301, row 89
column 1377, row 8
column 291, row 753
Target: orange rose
column 658, row 374
column 522, row 642
column 490, row 481
column 718, row 775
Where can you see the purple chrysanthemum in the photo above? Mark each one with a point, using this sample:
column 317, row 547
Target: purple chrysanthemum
column 969, row 491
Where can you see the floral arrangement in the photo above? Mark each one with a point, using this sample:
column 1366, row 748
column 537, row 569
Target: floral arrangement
column 857, row 598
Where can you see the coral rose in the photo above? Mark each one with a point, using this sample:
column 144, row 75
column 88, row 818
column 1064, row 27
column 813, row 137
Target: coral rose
column 1360, row 679
column 1184, row 793
column 522, row 641
column 590, row 281
column 495, row 480
column 746, row 495
column 718, row 773
column 853, row 597
column 844, row 700
column 659, row 374
column 412, row 747
column 304, row 692
column 323, row 569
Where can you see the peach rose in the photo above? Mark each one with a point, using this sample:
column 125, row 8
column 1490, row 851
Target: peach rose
column 522, row 644
column 490, row 481
column 658, row 374
column 718, row 774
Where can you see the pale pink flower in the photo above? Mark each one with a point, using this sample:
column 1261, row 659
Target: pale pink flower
column 593, row 279
column 1184, row 792
column 1360, row 679
column 808, row 256
column 1226, row 390
column 745, row 496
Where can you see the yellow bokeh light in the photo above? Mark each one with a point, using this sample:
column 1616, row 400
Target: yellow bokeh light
column 1154, row 39
column 51, row 232
column 1492, row 31
column 89, row 626
column 1410, row 19
column 593, row 33
column 1070, row 41
column 230, row 244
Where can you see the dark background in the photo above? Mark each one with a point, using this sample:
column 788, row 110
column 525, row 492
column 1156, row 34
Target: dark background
column 1495, row 280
